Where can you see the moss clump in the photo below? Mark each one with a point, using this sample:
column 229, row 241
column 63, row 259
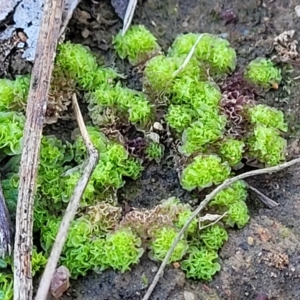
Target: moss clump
column 13, row 93
column 11, row 128
column 161, row 243
column 201, row 264
column 214, row 51
column 99, row 140
column 182, row 218
column 115, row 164
column 214, row 237
column 109, row 104
column 203, row 132
column 80, row 64
column 267, row 145
column 217, row 122
column 39, row 261
column 6, row 286
column 154, row 151
column 262, row 72
column 203, row 172
column 268, row 116
column 238, row 214
column 160, row 75
column 54, row 158
column 235, row 192
column 232, row 201
column 171, row 213
column 138, row 44
column 183, row 44
column 198, row 94
column 159, row 72
column 122, row 249
column 86, row 249
column 180, row 117
column 232, row 150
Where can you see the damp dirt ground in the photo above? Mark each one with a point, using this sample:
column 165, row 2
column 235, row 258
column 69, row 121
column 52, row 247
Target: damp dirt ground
column 263, row 257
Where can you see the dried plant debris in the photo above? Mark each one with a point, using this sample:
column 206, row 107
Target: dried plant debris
column 60, row 98
column 278, row 260
column 286, row 46
column 7, row 45
column 6, row 238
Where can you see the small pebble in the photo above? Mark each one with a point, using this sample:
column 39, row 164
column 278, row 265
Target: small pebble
column 85, row 33
column 244, row 246
column 246, row 32
column 21, row 45
column 188, row 295
column 153, row 136
column 154, row 269
column 297, row 10
column 273, row 275
column 158, row 126
column 60, row 281
column 185, row 24
column 250, row 240
column 224, row 35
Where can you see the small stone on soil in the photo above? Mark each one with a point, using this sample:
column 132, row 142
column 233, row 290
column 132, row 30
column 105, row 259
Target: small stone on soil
column 188, row 295
column 250, row 240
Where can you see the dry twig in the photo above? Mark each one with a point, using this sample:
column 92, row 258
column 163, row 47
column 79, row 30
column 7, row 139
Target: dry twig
column 188, row 57
column 213, row 222
column 62, row 234
column 128, row 15
column 263, row 198
column 202, row 205
column 6, row 238
column 69, row 7
column 36, row 109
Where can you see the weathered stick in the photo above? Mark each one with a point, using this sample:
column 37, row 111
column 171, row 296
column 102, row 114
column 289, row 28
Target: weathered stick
column 62, row 234
column 6, row 238
column 36, row 108
column 69, row 7
column 263, row 198
column 202, row 205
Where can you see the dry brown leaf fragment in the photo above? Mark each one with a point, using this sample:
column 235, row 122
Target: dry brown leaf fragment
column 285, row 46
column 277, row 260
column 263, row 234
